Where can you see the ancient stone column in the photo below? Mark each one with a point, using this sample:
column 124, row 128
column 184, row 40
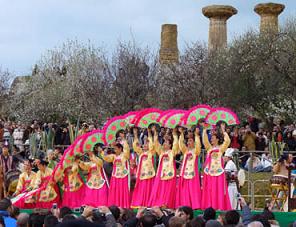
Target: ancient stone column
column 269, row 13
column 218, row 15
column 169, row 52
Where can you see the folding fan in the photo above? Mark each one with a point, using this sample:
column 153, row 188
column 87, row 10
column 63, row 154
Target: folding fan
column 174, row 118
column 195, row 113
column 147, row 117
column 111, row 127
column 91, row 140
column 129, row 117
column 222, row 114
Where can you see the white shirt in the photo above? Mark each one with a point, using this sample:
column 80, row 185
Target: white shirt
column 230, row 166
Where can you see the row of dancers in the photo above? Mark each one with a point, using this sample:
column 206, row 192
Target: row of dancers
column 155, row 186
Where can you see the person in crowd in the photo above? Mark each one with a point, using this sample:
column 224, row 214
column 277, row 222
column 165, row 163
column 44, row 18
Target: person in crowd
column 290, row 141
column 5, row 209
column 265, row 163
column 236, row 140
column 7, row 163
column 164, row 189
column 209, row 214
column 249, row 139
column 232, row 218
column 253, row 163
column 177, row 222
column 18, row 135
column 215, row 193
column 50, row 221
column 145, row 171
column 23, row 220
column 96, row 189
column 280, row 168
column 188, row 188
column 119, row 193
column 260, row 142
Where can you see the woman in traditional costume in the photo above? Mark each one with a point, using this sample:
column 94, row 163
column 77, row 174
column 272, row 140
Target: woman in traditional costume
column 164, row 189
column 119, row 193
column 215, row 190
column 48, row 192
column 24, row 185
column 188, row 189
column 145, row 171
column 74, row 188
column 96, row 189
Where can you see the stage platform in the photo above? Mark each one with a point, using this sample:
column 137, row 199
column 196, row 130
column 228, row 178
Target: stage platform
column 284, row 218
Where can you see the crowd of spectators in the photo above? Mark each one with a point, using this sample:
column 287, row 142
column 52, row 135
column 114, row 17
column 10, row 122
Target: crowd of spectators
column 144, row 217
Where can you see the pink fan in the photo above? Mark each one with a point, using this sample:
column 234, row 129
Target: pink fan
column 195, row 113
column 222, row 114
column 112, row 126
column 130, row 116
column 147, row 117
column 164, row 115
column 91, row 140
column 174, row 118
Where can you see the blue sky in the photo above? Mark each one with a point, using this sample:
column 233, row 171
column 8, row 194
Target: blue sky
column 28, row 28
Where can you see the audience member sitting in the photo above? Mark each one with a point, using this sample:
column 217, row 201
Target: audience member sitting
column 209, row 214
column 23, row 220
column 232, row 218
column 5, row 209
column 177, row 222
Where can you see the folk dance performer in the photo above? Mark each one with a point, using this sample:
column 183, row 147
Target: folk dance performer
column 119, row 193
column 188, row 189
column 215, row 192
column 96, row 189
column 164, row 189
column 24, row 185
column 48, row 192
column 73, row 186
column 145, row 171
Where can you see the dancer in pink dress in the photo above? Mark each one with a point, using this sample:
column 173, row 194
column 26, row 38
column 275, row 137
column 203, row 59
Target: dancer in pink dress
column 145, row 172
column 96, row 189
column 24, row 185
column 48, row 192
column 215, row 190
column 164, row 189
column 188, row 189
column 119, row 193
column 73, row 186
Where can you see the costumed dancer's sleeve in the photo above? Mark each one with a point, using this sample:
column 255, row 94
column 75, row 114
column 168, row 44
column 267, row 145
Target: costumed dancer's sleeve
column 151, row 146
column 99, row 162
column 20, row 184
column 197, row 144
column 157, row 145
column 175, row 148
column 37, row 181
column 59, row 174
column 205, row 140
column 126, row 149
column 85, row 165
column 226, row 143
column 136, row 147
column 108, row 158
column 182, row 146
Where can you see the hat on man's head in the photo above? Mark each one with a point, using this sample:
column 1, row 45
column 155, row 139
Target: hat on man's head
column 229, row 152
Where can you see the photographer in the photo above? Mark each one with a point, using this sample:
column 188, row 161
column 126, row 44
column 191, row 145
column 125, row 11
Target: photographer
column 101, row 215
